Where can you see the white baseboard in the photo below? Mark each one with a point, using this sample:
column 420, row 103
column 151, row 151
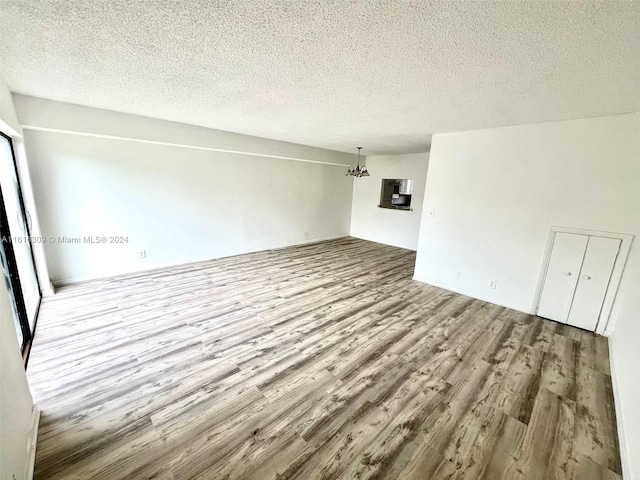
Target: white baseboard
column 286, row 245
column 48, row 290
column 466, row 294
column 377, row 240
column 624, row 457
column 32, row 441
column 86, row 278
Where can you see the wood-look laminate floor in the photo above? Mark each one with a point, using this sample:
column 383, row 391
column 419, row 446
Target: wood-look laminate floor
column 323, row 361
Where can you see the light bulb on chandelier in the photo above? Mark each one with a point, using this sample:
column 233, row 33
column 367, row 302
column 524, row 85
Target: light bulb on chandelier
column 357, row 171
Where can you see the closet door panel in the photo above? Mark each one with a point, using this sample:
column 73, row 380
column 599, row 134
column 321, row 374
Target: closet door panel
column 562, row 275
column 593, row 282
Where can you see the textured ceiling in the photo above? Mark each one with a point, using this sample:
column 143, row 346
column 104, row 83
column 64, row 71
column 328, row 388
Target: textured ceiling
column 334, row 74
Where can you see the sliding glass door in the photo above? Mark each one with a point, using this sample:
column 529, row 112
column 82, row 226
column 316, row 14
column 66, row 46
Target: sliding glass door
column 17, row 256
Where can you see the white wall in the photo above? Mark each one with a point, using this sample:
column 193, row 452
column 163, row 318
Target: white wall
column 16, row 404
column 624, row 348
column 394, row 227
column 174, row 194
column 9, row 124
column 496, row 192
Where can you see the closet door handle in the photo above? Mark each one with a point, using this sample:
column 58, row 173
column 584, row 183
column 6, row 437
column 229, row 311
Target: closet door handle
column 586, row 277
column 568, row 274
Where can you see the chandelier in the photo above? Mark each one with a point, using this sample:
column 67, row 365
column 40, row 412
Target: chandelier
column 358, row 171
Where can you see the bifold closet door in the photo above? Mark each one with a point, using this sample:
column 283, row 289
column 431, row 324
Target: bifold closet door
column 595, row 275
column 562, row 275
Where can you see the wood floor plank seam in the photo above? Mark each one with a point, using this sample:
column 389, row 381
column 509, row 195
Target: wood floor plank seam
column 305, row 362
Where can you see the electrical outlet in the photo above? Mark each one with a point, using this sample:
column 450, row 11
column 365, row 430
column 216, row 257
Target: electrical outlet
column 493, row 284
column 142, row 254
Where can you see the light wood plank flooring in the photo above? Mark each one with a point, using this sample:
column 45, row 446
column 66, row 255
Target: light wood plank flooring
column 323, row 361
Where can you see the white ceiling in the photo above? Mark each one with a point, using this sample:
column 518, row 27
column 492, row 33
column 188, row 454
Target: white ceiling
column 385, row 75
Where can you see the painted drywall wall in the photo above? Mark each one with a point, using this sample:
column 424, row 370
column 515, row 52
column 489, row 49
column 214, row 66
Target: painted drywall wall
column 392, row 227
column 9, row 124
column 624, row 345
column 16, row 404
column 177, row 201
column 496, row 192
column 47, row 114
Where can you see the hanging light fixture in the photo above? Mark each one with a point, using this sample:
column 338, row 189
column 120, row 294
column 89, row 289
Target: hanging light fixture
column 358, row 171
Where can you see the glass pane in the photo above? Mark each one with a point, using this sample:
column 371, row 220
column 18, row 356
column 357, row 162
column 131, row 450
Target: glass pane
column 6, row 279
